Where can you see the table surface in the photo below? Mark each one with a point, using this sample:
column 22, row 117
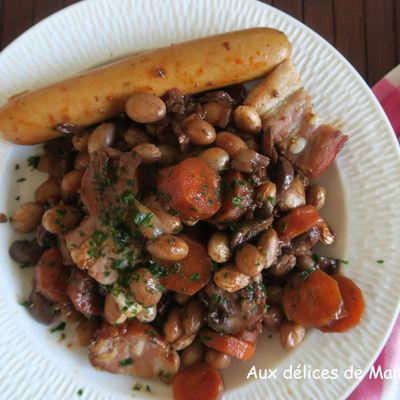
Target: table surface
column 366, row 32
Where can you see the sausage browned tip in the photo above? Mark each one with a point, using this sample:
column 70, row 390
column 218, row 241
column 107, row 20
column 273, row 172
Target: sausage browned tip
column 93, row 96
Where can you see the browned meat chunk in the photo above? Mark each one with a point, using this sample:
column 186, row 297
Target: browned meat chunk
column 133, row 349
column 233, row 312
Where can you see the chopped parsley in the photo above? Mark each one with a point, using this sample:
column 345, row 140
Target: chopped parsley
column 217, row 299
column 16, row 166
column 195, row 277
column 178, row 229
column 127, row 361
column 60, row 212
column 284, row 225
column 342, row 261
column 272, row 200
column 79, row 392
column 18, row 198
column 59, row 327
column 206, row 338
column 174, row 269
column 214, row 266
column 234, row 226
column 20, row 180
column 316, row 258
column 25, row 303
column 136, row 277
column 237, row 201
column 380, row 261
column 143, row 219
column 33, row 162
column 305, row 274
column 121, row 233
column 237, row 182
column 148, row 389
column 136, row 387
column 127, row 197
column 156, row 268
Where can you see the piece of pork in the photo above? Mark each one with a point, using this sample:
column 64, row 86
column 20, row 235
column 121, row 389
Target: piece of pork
column 133, row 348
column 233, row 312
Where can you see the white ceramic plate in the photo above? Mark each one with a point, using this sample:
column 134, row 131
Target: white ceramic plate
column 363, row 193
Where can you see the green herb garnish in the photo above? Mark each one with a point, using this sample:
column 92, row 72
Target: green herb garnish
column 58, row 328
column 195, row 277
column 127, row 197
column 305, row 274
column 25, row 303
column 127, row 361
column 33, row 161
column 272, row 200
column 143, row 219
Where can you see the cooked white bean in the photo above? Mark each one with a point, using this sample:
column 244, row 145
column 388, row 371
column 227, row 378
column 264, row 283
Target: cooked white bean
column 71, row 182
column 170, row 222
column 80, row 141
column 327, row 235
column 193, row 316
column 217, row 359
column 230, row 142
column 247, row 119
column 293, row 197
column 169, row 154
column 291, row 334
column 173, row 326
column 247, row 160
column 218, row 247
column 48, row 190
column 216, row 158
column 149, row 152
column 27, row 217
column 193, row 353
column 102, row 136
column 60, row 219
column 200, row 132
column 316, row 196
column 168, row 248
column 145, row 108
column 82, row 160
column 148, row 314
column 268, row 245
column 229, row 278
column 134, row 136
column 249, row 260
column 145, row 287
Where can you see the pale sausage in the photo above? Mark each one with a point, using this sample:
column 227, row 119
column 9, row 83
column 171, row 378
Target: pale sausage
column 96, row 95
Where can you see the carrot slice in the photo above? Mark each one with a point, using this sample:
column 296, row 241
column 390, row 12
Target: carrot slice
column 299, row 221
column 231, row 345
column 197, row 382
column 192, row 188
column 247, row 336
column 354, row 304
column 190, row 274
column 312, row 302
column 238, row 196
column 51, row 276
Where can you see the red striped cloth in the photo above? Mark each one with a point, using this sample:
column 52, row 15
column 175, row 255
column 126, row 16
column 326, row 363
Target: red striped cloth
column 387, row 92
